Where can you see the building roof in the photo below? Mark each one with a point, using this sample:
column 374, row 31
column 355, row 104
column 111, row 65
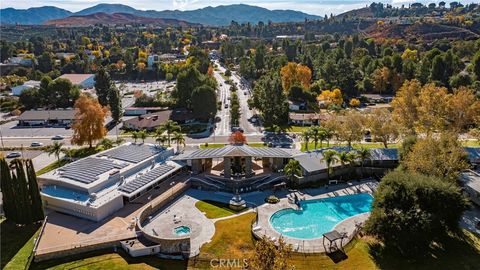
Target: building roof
column 151, row 120
column 473, row 154
column 45, row 115
column 307, row 116
column 471, row 179
column 76, row 79
column 235, row 150
column 383, row 154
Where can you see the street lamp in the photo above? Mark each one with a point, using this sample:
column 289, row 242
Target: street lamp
column 171, row 187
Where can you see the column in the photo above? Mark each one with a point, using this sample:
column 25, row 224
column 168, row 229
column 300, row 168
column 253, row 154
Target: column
column 227, row 167
column 248, row 166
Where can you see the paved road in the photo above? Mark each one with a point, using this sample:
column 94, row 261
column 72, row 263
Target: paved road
column 223, row 127
column 243, row 94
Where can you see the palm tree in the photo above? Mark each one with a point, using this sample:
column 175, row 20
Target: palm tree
column 306, row 138
column 315, row 133
column 344, row 158
column 160, row 139
column 169, row 127
column 363, row 154
column 135, row 135
column 322, row 135
column 292, row 169
column 106, row 143
column 142, row 134
column 178, row 139
column 330, row 157
column 328, row 135
column 55, row 149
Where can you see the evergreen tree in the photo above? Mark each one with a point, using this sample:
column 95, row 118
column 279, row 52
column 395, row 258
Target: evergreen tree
column 115, row 103
column 103, row 85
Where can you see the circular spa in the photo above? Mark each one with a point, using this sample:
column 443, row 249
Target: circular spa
column 181, row 231
column 317, row 217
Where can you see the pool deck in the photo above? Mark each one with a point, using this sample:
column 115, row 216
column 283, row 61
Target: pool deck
column 347, row 226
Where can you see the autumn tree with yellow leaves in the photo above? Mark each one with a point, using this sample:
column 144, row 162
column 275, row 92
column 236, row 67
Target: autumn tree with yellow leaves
column 330, row 97
column 294, row 73
column 89, row 124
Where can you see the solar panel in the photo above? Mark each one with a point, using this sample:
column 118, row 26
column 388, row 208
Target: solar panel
column 149, row 177
column 88, row 169
column 133, row 152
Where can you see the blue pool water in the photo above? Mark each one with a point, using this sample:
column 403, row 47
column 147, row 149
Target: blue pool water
column 319, row 216
column 182, row 230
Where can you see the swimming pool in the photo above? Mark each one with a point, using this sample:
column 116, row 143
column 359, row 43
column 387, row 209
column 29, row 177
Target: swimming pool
column 181, row 231
column 319, row 216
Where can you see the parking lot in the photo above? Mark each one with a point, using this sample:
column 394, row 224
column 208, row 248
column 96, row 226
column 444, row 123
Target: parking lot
column 282, row 140
column 148, row 88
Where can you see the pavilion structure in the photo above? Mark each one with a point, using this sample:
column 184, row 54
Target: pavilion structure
column 236, row 161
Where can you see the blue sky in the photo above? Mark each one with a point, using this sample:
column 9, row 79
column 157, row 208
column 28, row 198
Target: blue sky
column 317, row 7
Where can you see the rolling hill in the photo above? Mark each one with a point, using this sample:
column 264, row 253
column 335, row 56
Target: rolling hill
column 115, row 18
column 217, row 16
column 32, row 15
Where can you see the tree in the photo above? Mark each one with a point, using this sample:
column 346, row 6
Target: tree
column 331, row 97
column 45, row 62
column 404, row 106
column 169, row 127
column 437, row 72
column 410, row 210
column 316, row 134
column 105, row 143
column 294, row 73
column 306, row 136
column 350, row 127
column 204, row 102
column 270, row 99
column 89, row 121
column 135, row 136
column 382, row 127
column 443, row 157
column 187, row 81
column 330, row 157
column 237, row 137
column 115, row 104
column 55, row 149
column 21, row 198
column 463, row 109
column 292, row 169
column 476, row 65
column 354, row 103
column 142, row 135
column 363, row 154
column 103, row 85
column 432, row 108
column 29, row 98
column 179, row 139
column 270, row 256
column 62, row 93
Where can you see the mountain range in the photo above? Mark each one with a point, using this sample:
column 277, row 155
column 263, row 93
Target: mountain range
column 217, row 16
column 116, row 18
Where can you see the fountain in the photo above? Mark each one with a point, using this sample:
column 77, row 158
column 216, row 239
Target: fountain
column 237, row 203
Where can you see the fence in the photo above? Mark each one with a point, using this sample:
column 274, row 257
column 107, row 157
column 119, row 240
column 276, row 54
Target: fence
column 32, row 254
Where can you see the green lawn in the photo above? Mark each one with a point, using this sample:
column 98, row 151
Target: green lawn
column 16, row 244
column 214, row 209
column 233, row 239
column 109, row 260
column 52, row 166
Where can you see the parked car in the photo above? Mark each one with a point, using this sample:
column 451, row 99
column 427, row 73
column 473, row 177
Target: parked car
column 57, row 137
column 36, row 144
column 14, row 155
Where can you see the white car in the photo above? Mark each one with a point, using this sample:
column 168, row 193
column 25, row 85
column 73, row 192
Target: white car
column 36, row 144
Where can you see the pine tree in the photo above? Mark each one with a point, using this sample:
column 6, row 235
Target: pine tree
column 115, row 103
column 36, row 200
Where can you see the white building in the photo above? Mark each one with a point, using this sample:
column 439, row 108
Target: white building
column 17, row 90
column 81, row 80
column 97, row 186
